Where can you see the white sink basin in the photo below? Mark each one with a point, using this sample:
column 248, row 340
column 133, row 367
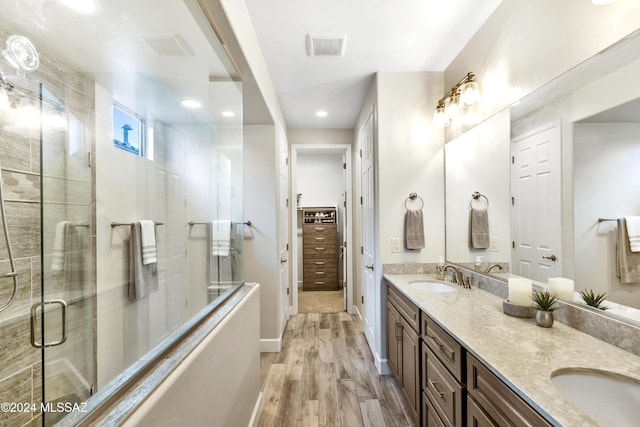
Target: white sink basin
column 609, row 397
column 431, row 286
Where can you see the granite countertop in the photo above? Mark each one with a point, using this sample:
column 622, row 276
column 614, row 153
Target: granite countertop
column 521, row 353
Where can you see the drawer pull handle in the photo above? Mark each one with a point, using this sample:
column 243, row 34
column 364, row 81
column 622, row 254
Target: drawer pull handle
column 433, row 385
column 320, row 263
column 319, row 228
column 319, row 283
column 319, row 249
column 319, row 273
column 399, row 332
column 319, row 239
column 441, row 347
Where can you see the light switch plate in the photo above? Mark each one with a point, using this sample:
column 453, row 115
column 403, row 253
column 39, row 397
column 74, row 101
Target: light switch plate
column 493, row 244
column 396, row 245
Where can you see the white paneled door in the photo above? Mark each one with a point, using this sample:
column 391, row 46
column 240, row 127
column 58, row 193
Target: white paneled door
column 368, row 231
column 283, row 228
column 535, row 187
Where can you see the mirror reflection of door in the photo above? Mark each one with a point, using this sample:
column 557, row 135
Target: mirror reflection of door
column 536, row 199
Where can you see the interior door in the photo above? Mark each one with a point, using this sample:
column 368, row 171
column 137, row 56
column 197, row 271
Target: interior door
column 368, row 230
column 283, row 227
column 343, row 244
column 535, row 186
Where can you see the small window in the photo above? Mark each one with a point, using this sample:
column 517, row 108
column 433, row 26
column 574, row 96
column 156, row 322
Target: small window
column 128, row 130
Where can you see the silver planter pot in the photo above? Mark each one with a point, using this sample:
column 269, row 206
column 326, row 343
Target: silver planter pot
column 544, row 318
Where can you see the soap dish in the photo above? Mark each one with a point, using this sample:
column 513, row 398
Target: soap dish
column 517, row 310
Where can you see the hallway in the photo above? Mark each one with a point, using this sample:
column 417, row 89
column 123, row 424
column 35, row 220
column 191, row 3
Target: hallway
column 325, row 376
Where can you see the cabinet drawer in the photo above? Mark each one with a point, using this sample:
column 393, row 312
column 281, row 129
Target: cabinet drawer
column 447, row 349
column 319, row 250
column 442, row 390
column 407, row 309
column 320, row 264
column 499, row 402
column 327, row 231
column 430, row 417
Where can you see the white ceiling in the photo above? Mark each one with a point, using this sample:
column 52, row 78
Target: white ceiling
column 382, row 35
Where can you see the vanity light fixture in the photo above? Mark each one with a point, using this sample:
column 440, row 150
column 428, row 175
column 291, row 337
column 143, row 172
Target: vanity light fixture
column 22, row 55
column 459, row 98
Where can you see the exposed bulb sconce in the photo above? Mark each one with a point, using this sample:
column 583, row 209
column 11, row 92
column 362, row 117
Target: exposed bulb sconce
column 459, row 98
column 22, row 55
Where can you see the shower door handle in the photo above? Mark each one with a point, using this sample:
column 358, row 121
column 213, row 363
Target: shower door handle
column 34, row 309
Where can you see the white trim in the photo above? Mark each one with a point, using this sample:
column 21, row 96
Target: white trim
column 270, row 345
column 345, row 149
column 257, row 410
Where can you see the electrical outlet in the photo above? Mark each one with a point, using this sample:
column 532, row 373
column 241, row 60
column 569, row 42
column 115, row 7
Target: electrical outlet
column 396, row 245
column 493, row 244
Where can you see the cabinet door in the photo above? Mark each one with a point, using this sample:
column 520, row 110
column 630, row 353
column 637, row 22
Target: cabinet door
column 476, row 416
column 393, row 341
column 410, row 372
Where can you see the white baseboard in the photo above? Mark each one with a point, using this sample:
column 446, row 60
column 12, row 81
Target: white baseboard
column 257, row 410
column 382, row 365
column 270, row 345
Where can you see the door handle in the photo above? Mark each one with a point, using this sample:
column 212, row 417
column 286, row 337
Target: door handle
column 552, row 258
column 282, row 261
column 34, row 309
column 370, row 267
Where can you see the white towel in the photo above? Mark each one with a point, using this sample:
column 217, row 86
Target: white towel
column 220, row 237
column 633, row 231
column 57, row 257
column 148, row 242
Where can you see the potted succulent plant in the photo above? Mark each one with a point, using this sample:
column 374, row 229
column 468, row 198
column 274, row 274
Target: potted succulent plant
column 544, row 303
column 594, row 300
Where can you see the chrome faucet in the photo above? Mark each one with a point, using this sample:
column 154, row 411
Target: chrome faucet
column 457, row 275
column 492, row 266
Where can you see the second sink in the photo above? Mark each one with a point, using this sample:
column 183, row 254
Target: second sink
column 431, row 286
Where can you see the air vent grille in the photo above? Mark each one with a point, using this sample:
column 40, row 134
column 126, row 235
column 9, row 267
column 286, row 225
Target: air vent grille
column 326, row 45
column 168, row 45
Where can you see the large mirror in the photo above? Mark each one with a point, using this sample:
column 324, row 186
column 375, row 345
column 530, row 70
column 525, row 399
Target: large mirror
column 549, row 167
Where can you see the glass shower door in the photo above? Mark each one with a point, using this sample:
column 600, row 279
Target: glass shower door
column 66, row 313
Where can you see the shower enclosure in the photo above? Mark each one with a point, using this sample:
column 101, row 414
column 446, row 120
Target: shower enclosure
column 72, row 172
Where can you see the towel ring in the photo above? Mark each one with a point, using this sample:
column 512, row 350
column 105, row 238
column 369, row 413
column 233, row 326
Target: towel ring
column 475, row 196
column 414, row 196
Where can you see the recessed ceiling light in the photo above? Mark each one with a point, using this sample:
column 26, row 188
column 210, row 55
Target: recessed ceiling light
column 192, row 103
column 85, row 7
column 321, row 113
column 228, row 113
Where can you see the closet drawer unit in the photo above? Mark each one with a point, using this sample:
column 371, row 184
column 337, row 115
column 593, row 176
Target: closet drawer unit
column 408, row 309
column 319, row 250
column 447, row 349
column 499, row 402
column 319, row 231
column 443, row 391
column 321, row 264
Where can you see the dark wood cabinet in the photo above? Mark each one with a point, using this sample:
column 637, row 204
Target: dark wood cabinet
column 403, row 346
column 319, row 250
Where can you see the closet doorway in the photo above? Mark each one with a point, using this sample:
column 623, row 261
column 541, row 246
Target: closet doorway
column 321, row 228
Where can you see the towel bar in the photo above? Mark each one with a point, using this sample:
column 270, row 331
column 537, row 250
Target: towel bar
column 247, row 223
column 606, row 219
column 123, row 224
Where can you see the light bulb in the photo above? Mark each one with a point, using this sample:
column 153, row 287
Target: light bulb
column 440, row 119
column 451, row 108
column 469, row 93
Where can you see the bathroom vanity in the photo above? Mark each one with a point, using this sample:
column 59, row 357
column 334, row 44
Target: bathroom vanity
column 480, row 367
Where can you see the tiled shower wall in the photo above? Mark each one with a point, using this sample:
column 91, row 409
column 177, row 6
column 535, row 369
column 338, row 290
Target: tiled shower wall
column 67, row 196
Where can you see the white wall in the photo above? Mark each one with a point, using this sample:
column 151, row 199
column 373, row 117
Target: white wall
column 478, row 160
column 260, row 204
column 606, row 159
column 410, row 156
column 203, row 389
column 320, row 136
column 525, row 44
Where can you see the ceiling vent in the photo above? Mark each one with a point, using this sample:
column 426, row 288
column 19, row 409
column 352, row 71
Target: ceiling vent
column 168, row 44
column 326, row 45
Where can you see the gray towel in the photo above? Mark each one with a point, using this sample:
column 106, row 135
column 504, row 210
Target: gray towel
column 479, row 228
column 414, row 229
column 628, row 263
column 143, row 279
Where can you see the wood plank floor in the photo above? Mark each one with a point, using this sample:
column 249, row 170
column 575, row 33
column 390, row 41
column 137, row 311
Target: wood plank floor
column 325, row 376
